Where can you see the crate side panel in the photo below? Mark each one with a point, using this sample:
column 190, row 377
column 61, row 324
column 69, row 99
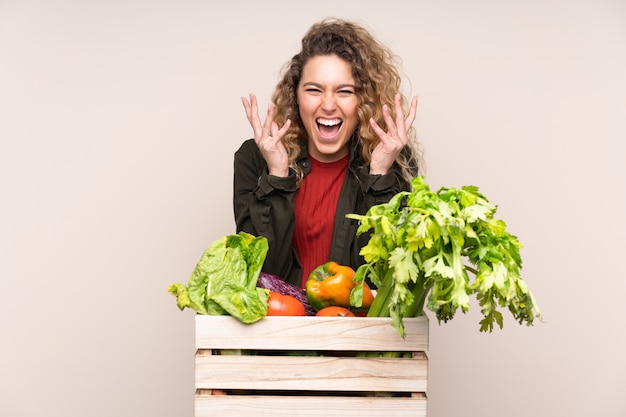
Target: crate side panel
column 311, row 333
column 312, row 373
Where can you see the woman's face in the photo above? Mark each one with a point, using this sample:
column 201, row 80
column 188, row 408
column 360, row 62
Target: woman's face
column 328, row 106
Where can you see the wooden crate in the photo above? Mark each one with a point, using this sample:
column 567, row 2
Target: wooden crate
column 309, row 366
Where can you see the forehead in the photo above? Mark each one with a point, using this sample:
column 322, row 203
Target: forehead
column 327, row 69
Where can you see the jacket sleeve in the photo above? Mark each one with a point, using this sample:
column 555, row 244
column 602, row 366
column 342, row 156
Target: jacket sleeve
column 263, row 206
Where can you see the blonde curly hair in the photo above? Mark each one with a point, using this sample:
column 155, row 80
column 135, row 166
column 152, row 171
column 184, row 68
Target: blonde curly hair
column 375, row 70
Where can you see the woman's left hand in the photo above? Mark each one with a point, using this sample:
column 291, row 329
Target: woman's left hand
column 392, row 141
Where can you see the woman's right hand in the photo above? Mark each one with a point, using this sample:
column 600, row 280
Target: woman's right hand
column 268, row 137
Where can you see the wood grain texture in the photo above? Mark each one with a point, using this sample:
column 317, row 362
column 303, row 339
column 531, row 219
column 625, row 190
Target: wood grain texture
column 311, row 373
column 314, row 333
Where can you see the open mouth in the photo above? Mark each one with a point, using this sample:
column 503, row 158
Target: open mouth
column 328, row 128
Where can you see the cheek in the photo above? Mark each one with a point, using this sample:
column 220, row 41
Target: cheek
column 304, row 108
column 306, row 117
column 351, row 111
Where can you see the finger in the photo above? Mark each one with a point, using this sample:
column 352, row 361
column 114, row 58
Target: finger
column 252, row 114
column 277, row 134
column 281, row 132
column 410, row 118
column 400, row 120
column 377, row 129
column 254, row 107
column 246, row 106
column 392, row 129
column 267, row 126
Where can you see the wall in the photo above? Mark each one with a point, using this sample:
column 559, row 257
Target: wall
column 118, row 121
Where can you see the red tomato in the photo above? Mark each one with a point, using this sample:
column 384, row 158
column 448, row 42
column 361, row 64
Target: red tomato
column 335, row 311
column 284, row 305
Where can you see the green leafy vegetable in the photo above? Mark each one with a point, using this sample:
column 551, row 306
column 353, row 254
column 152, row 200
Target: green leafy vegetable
column 224, row 280
column 418, row 249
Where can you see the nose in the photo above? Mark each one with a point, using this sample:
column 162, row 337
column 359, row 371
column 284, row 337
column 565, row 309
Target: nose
column 328, row 101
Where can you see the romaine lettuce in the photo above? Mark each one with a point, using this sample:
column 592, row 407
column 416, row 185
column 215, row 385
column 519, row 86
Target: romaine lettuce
column 224, row 279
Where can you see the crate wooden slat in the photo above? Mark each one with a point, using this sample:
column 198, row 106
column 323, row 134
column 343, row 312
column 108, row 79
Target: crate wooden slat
column 310, row 366
column 311, row 373
column 308, row 406
column 311, row 333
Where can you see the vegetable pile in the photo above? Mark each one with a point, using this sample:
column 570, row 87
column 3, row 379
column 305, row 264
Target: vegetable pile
column 422, row 248
column 417, row 248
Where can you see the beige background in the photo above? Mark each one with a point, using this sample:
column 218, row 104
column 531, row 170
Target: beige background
column 118, row 121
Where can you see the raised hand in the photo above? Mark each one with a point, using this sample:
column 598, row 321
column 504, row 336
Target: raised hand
column 267, row 136
column 392, row 141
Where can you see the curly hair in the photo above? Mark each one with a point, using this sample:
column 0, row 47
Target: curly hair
column 375, row 70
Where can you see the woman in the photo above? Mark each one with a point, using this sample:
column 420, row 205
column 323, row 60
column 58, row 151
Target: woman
column 335, row 140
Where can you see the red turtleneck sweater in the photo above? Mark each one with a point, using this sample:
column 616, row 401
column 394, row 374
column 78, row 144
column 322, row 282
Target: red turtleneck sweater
column 315, row 207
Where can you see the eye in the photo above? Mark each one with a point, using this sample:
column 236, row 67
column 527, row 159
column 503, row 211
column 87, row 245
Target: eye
column 312, row 90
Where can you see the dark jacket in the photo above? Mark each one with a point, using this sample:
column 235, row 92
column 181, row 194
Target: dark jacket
column 263, row 206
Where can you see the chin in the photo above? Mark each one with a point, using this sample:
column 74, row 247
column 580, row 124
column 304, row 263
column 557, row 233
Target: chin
column 330, row 152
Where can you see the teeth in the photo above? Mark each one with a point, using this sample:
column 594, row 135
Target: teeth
column 327, row 122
